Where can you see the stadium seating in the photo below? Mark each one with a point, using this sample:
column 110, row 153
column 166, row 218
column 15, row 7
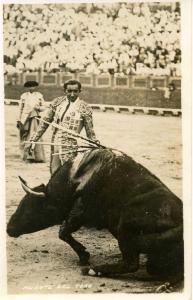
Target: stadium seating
column 117, row 38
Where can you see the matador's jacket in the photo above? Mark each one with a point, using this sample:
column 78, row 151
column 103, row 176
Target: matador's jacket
column 73, row 116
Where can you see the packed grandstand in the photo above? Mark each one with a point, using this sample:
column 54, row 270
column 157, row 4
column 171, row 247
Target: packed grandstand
column 115, row 38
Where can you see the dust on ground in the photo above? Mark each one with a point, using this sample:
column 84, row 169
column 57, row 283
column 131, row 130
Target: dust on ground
column 41, row 262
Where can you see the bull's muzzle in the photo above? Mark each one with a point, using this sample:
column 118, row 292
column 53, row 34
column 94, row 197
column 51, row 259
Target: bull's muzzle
column 12, row 232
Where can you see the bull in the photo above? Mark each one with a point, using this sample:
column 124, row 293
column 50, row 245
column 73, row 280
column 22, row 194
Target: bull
column 108, row 189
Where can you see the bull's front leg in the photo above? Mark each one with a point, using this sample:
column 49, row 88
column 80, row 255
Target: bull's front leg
column 130, row 256
column 73, row 223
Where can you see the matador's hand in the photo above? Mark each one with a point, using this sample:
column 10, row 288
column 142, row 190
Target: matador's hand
column 29, row 147
column 19, row 124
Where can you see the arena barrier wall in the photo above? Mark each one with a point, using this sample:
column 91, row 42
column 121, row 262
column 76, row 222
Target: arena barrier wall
column 120, row 108
column 92, row 80
column 108, row 96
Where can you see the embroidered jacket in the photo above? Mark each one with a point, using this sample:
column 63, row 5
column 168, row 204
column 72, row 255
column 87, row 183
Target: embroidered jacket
column 77, row 117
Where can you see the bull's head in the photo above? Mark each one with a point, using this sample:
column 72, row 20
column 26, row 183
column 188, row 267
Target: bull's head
column 33, row 213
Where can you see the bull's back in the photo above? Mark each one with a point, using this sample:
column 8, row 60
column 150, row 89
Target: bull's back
column 120, row 186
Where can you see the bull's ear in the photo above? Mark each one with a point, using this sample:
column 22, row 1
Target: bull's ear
column 28, row 190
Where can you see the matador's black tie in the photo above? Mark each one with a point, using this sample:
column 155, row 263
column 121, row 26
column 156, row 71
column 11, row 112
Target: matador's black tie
column 67, row 107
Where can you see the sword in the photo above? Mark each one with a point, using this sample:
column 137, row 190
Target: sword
column 54, row 144
column 76, row 135
column 72, row 151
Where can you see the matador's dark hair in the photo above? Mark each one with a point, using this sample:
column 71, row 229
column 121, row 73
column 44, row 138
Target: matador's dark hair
column 72, row 81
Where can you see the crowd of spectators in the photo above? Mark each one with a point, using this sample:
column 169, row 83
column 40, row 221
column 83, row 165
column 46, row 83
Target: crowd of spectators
column 119, row 38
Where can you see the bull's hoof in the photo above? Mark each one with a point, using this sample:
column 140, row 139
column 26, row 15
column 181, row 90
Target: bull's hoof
column 84, row 270
column 164, row 288
column 84, row 259
column 89, row 271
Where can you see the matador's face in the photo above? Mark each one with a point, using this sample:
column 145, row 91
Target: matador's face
column 72, row 91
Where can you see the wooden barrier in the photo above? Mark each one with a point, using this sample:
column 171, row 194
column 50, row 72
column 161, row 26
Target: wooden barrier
column 49, row 79
column 138, row 110
column 121, row 108
column 91, row 80
column 64, row 77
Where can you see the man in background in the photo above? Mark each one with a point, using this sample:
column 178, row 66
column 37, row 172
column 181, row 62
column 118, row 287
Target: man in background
column 30, row 108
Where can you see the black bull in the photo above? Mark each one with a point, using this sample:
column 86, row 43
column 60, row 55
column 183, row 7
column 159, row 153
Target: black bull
column 108, row 190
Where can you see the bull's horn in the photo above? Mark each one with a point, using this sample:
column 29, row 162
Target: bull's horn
column 22, row 180
column 28, row 190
